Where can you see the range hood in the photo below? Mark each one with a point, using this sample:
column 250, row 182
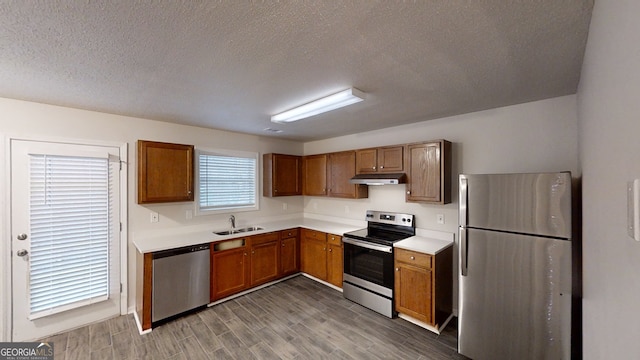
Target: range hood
column 379, row 179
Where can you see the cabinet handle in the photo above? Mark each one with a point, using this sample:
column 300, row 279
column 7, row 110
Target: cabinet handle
column 408, row 192
column 397, row 269
column 275, row 190
column 374, row 168
column 381, row 166
column 413, row 258
column 253, row 252
column 324, row 249
column 245, row 253
column 282, row 245
column 330, row 250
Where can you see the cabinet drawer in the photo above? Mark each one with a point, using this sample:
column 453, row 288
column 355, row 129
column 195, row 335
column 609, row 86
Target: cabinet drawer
column 228, row 244
column 263, row 238
column 414, row 258
column 334, row 239
column 284, row 234
column 314, row 234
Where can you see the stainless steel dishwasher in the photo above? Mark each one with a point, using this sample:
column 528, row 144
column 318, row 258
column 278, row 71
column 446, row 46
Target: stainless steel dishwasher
column 180, row 281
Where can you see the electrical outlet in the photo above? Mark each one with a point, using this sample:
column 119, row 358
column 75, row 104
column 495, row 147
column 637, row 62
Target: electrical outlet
column 155, row 217
column 440, row 218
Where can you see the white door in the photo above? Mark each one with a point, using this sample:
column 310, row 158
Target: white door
column 65, row 229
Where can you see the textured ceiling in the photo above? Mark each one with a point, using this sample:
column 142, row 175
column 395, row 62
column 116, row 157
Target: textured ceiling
column 231, row 64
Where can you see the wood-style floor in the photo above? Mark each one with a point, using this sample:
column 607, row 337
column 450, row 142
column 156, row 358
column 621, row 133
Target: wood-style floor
column 294, row 319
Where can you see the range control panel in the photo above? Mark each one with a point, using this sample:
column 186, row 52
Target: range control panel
column 390, row 218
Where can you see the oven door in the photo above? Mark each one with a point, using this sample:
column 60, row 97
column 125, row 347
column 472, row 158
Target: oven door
column 367, row 261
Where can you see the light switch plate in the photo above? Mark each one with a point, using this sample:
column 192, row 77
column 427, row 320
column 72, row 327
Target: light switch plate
column 633, row 209
column 440, row 218
column 155, row 217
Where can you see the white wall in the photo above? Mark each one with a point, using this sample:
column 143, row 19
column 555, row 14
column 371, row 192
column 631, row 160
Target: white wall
column 533, row 137
column 20, row 118
column 609, row 124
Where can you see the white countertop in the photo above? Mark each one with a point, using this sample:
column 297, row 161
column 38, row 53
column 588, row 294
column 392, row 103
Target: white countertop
column 151, row 243
column 427, row 241
column 423, row 244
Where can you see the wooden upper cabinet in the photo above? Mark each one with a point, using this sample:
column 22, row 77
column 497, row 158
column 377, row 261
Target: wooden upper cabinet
column 428, row 168
column 314, row 175
column 165, row 172
column 282, row 175
column 380, row 160
column 341, row 167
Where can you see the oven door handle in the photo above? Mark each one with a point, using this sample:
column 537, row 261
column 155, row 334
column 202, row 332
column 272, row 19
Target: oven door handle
column 367, row 245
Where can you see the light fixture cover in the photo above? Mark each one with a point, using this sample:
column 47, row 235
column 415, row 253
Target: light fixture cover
column 331, row 102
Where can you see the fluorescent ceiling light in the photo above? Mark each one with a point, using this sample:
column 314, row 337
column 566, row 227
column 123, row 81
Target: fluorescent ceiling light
column 331, row 102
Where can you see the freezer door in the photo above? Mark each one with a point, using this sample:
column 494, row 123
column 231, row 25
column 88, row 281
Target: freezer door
column 537, row 204
column 515, row 299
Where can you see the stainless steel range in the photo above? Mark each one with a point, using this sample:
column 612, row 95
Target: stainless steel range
column 368, row 259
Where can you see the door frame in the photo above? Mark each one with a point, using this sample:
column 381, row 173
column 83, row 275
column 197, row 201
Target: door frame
column 6, row 305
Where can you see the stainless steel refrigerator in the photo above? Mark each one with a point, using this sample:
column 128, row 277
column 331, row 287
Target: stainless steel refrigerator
column 515, row 266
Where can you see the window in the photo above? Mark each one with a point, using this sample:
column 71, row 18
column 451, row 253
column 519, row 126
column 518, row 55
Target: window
column 70, row 208
column 226, row 181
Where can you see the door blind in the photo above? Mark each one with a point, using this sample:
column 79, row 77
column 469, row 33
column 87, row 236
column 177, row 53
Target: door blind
column 226, row 182
column 70, row 223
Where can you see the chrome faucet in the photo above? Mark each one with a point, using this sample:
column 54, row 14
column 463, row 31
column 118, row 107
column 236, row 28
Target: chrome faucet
column 232, row 220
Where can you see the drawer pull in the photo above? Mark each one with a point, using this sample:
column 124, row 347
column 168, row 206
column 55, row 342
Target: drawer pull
column 413, row 258
column 397, row 269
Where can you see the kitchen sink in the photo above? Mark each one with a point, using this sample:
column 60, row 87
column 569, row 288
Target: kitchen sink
column 237, row 231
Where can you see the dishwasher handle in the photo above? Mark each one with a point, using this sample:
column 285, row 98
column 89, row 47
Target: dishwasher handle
column 180, row 251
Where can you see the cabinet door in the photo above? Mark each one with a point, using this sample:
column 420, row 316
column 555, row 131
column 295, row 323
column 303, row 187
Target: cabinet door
column 282, row 175
column 335, row 263
column 289, row 258
column 313, row 253
column 391, row 159
column 314, row 177
column 229, row 272
column 264, row 262
column 413, row 292
column 423, row 172
column 341, row 168
column 165, row 172
column 366, row 161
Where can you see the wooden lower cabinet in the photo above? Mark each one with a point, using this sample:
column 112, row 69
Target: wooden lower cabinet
column 229, row 270
column 423, row 285
column 321, row 256
column 144, row 283
column 289, row 252
column 265, row 256
column 242, row 263
column 313, row 253
column 335, row 265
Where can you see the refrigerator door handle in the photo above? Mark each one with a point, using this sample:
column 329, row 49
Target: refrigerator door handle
column 463, row 252
column 463, row 200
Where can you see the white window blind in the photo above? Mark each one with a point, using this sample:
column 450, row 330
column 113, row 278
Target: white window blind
column 226, row 182
column 70, row 215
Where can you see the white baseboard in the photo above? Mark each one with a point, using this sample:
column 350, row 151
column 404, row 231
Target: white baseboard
column 431, row 328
